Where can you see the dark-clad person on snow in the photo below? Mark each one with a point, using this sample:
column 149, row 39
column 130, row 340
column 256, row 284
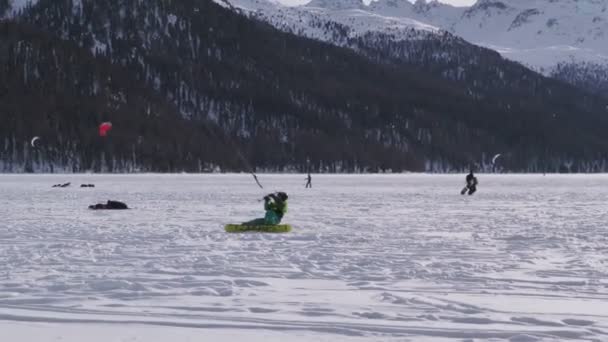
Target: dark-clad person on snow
column 471, row 186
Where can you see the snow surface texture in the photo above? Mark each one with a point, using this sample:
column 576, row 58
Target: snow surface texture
column 538, row 33
column 375, row 258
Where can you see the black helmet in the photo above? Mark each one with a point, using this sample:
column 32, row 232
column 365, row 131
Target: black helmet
column 282, row 196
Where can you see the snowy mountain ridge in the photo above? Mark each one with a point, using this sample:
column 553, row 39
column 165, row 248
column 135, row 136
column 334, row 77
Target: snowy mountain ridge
column 541, row 34
column 538, row 33
column 322, row 19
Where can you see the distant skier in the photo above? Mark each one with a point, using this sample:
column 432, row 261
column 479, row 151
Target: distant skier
column 110, row 205
column 275, row 206
column 471, row 186
column 309, row 181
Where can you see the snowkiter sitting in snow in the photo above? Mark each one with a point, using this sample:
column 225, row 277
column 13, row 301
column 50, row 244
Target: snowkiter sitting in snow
column 110, row 205
column 471, row 186
column 275, row 206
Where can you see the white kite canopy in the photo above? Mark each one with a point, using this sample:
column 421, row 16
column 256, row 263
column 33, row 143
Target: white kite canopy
column 496, row 157
column 34, row 141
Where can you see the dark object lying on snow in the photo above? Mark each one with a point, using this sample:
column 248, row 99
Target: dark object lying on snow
column 111, row 205
column 64, row 185
column 87, row 185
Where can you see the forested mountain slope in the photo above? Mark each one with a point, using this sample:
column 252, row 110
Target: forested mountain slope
column 188, row 83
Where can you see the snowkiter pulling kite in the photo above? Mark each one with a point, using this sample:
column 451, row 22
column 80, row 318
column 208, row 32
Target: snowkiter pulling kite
column 309, row 181
column 275, row 206
column 471, row 186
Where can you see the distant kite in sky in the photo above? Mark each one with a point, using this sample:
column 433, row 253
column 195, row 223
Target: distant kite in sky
column 495, row 158
column 34, row 141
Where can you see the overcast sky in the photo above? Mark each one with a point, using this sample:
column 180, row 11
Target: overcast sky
column 453, row 2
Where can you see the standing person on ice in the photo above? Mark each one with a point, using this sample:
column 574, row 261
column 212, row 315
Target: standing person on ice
column 471, row 186
column 309, row 181
column 275, row 206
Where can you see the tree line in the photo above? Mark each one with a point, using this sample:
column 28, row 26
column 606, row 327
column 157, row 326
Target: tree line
column 189, row 85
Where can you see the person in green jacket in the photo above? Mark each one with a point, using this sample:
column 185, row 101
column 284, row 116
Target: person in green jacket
column 275, row 206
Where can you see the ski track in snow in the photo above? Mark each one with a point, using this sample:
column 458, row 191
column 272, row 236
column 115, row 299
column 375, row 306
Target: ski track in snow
column 378, row 258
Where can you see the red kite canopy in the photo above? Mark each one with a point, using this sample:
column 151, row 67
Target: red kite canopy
column 104, row 128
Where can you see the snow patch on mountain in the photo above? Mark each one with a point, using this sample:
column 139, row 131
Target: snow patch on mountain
column 16, row 6
column 545, row 59
column 537, row 33
column 337, row 4
column 322, row 19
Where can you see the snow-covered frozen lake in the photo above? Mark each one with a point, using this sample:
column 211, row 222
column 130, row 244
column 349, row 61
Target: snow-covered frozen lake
column 371, row 258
